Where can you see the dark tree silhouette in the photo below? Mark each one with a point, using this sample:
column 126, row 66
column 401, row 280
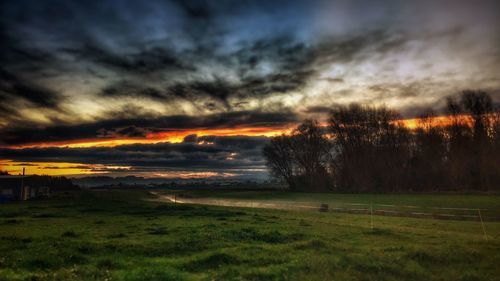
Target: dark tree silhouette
column 479, row 106
column 279, row 159
column 371, row 148
column 428, row 157
column 311, row 151
column 301, row 159
column 367, row 149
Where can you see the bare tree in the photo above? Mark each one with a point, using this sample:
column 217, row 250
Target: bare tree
column 428, row 155
column 301, row 159
column 368, row 149
column 472, row 159
column 371, row 148
column 279, row 159
column 311, row 151
column 479, row 106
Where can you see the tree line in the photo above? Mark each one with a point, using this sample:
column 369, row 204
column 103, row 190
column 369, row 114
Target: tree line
column 369, row 149
column 54, row 182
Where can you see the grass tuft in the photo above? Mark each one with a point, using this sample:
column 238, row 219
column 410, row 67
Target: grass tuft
column 12, row 221
column 153, row 274
column 212, row 262
column 69, row 234
column 108, row 263
column 158, row 231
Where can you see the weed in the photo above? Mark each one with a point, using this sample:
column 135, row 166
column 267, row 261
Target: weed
column 212, row 262
column 314, row 244
column 421, row 256
column 12, row 221
column 86, row 249
column 251, row 234
column 158, row 231
column 117, row 235
column 153, row 274
column 40, row 263
column 46, row 215
column 107, row 263
column 69, row 234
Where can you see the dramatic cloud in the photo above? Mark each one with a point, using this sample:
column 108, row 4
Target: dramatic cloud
column 74, row 71
column 11, row 87
column 139, row 127
column 238, row 155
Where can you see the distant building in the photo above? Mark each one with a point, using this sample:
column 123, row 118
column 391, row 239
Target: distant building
column 20, row 188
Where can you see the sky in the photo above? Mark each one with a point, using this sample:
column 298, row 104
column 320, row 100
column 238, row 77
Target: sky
column 194, row 89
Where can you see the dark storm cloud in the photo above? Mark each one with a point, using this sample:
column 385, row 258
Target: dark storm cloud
column 15, row 51
column 218, row 89
column 348, row 48
column 168, row 50
column 12, row 87
column 141, row 62
column 292, row 64
column 15, row 54
column 138, row 127
column 127, row 89
column 223, row 153
column 291, row 61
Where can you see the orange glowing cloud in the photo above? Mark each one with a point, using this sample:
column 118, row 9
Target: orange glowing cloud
column 436, row 121
column 172, row 136
column 179, row 135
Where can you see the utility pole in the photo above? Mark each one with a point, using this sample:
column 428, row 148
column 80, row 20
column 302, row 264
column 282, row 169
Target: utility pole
column 22, row 185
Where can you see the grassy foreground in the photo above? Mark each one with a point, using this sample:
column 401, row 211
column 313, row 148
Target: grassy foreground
column 115, row 235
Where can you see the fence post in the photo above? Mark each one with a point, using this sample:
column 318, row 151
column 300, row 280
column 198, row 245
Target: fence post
column 371, row 216
column 482, row 224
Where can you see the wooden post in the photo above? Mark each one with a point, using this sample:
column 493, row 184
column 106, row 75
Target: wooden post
column 371, row 216
column 323, row 207
column 482, row 224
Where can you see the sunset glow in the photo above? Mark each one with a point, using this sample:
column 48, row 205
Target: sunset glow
column 73, row 169
column 178, row 136
column 172, row 137
column 48, row 168
column 160, row 87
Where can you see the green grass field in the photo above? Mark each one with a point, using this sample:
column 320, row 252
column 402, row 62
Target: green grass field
column 116, row 235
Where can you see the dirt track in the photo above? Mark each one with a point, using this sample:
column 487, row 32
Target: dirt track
column 238, row 203
column 378, row 210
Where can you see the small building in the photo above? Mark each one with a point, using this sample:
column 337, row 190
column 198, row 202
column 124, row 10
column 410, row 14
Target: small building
column 20, row 188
